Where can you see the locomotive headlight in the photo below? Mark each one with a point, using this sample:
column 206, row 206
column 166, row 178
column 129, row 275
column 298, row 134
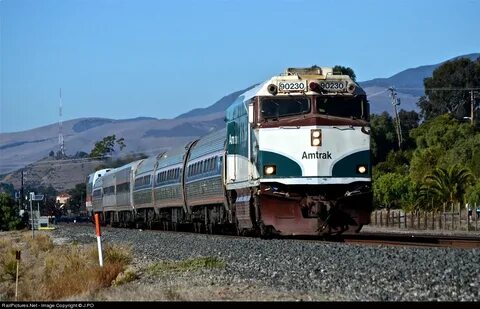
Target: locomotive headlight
column 269, row 169
column 316, row 137
column 362, row 169
column 272, row 89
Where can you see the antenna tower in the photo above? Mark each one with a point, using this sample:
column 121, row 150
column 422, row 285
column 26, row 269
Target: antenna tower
column 61, row 143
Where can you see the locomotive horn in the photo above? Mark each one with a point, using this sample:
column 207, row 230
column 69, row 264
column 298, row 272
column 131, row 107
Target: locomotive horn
column 351, row 88
column 272, row 89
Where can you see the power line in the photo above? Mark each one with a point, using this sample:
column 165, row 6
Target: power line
column 440, row 89
column 377, row 93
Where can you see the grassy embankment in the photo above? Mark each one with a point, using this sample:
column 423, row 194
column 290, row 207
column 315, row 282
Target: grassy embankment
column 55, row 272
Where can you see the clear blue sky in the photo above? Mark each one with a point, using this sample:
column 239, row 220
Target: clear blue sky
column 129, row 58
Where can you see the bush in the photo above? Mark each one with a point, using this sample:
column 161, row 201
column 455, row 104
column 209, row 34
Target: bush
column 9, row 213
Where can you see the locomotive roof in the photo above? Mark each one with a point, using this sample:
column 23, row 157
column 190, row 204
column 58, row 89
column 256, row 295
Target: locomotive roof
column 295, row 74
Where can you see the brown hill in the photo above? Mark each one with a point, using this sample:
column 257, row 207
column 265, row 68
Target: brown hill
column 60, row 174
column 142, row 135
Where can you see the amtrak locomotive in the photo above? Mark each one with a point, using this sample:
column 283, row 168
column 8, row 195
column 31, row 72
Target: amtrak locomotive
column 293, row 159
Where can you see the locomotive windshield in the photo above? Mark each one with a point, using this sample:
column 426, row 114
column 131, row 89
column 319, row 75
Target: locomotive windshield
column 347, row 107
column 284, row 106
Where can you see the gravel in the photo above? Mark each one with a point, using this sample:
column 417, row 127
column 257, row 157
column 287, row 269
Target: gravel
column 259, row 269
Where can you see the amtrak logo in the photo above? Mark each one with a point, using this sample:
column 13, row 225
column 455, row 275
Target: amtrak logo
column 233, row 139
column 317, row 155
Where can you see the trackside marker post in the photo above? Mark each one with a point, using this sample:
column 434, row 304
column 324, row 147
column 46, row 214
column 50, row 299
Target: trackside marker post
column 99, row 241
column 17, row 257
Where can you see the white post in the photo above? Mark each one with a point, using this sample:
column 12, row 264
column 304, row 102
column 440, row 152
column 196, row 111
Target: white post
column 31, row 214
column 99, row 245
column 99, row 241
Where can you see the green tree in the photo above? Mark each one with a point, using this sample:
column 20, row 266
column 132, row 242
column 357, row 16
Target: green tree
column 9, row 217
column 59, row 155
column 338, row 69
column 409, row 120
column 76, row 202
column 396, row 162
column 389, row 190
column 447, row 91
column 424, row 161
column 7, row 188
column 443, row 142
column 416, row 197
column 467, row 151
column 472, row 196
column 449, row 185
column 80, row 154
column 121, row 161
column 107, row 146
column 383, row 136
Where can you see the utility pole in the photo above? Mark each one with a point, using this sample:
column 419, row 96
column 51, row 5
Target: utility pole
column 472, row 106
column 22, row 197
column 398, row 128
column 31, row 214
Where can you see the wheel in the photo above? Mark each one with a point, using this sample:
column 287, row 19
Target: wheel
column 265, row 231
column 359, row 228
column 210, row 228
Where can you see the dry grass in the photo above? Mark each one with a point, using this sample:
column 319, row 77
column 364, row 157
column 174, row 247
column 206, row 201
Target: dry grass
column 41, row 243
column 125, row 277
column 8, row 265
column 49, row 272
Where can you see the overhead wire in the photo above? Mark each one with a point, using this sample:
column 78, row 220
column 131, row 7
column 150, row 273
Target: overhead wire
column 439, row 89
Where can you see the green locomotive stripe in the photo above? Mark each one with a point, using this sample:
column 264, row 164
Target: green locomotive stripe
column 285, row 167
column 347, row 167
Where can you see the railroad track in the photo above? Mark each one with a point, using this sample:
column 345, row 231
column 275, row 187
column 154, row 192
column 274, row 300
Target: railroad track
column 415, row 240
column 388, row 239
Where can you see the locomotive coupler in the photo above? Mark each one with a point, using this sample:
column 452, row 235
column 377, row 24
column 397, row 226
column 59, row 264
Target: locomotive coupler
column 316, row 207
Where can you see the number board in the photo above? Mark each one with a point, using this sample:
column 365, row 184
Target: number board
column 333, row 85
column 292, row 86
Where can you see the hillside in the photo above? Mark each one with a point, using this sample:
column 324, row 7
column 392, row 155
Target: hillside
column 150, row 135
column 219, row 106
column 60, row 174
column 142, row 135
column 408, row 84
column 410, row 81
